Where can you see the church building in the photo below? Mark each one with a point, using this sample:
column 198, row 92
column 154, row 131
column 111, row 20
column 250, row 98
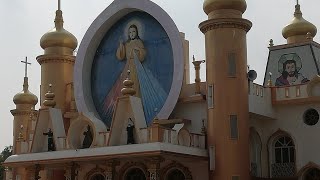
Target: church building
column 123, row 107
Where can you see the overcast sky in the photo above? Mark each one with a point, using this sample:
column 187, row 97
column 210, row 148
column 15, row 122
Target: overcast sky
column 23, row 22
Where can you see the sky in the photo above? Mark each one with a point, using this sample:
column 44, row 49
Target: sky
column 23, row 22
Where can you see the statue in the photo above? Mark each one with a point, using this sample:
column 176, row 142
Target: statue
column 132, row 47
column 87, row 141
column 130, row 129
column 51, row 146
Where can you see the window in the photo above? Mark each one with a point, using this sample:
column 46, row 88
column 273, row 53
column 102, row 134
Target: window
column 311, row 117
column 233, row 127
column 135, row 174
column 210, row 96
column 232, row 65
column 175, row 175
column 283, row 157
column 284, row 150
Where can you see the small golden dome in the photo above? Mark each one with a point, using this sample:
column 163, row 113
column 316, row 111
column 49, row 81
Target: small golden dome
column 299, row 26
column 211, row 5
column 25, row 97
column 58, row 37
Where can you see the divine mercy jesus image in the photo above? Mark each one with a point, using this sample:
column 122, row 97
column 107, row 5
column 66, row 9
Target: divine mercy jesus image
column 131, row 47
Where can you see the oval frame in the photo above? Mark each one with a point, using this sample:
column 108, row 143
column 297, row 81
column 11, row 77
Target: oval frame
column 96, row 32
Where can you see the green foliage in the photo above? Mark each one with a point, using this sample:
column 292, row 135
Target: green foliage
column 3, row 156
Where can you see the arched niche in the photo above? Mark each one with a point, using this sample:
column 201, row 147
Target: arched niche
column 255, row 153
column 79, row 127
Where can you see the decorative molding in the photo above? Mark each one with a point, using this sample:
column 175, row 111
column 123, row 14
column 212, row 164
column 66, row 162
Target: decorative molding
column 17, row 112
column 56, row 59
column 211, row 24
column 175, row 165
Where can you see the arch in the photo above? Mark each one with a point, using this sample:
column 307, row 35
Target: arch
column 94, row 172
column 175, row 166
column 255, row 152
column 133, row 165
column 306, row 168
column 175, row 174
column 79, row 126
column 282, row 155
column 135, row 173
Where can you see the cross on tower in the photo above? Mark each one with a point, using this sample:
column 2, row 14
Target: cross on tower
column 297, row 2
column 26, row 67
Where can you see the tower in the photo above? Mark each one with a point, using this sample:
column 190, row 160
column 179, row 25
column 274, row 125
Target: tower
column 57, row 63
column 227, row 85
column 23, row 117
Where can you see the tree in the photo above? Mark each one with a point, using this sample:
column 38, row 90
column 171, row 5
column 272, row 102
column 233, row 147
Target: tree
column 7, row 151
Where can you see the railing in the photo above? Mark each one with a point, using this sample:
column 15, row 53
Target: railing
column 279, row 170
column 256, row 90
column 290, row 92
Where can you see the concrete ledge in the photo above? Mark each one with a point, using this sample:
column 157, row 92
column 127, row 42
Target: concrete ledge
column 104, row 153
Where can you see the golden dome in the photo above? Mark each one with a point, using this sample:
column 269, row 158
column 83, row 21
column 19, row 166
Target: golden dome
column 58, row 37
column 25, row 97
column 211, row 5
column 299, row 26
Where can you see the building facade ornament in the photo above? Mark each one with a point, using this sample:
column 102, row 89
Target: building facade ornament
column 212, row 24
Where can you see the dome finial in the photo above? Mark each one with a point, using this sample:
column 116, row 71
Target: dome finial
column 49, row 101
column 58, row 21
column 127, row 89
column 297, row 12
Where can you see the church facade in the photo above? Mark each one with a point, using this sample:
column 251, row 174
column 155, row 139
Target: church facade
column 123, row 107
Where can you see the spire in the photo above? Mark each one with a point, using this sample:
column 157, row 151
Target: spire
column 296, row 31
column 127, row 89
column 58, row 21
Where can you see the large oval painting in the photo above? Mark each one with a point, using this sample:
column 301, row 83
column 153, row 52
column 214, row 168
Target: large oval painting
column 138, row 44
